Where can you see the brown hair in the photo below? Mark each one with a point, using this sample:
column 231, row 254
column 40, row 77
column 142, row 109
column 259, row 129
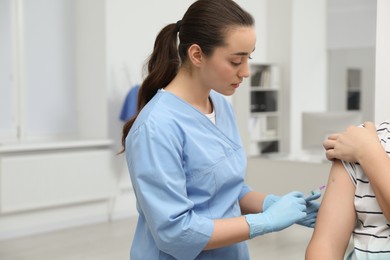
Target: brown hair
column 205, row 23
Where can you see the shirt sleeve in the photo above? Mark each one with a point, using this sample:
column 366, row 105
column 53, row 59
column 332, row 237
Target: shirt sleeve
column 351, row 170
column 354, row 170
column 159, row 181
column 245, row 189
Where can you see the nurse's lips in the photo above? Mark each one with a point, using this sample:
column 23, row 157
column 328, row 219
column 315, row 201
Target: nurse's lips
column 236, row 85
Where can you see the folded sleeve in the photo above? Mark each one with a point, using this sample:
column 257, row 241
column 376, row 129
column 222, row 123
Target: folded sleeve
column 245, row 189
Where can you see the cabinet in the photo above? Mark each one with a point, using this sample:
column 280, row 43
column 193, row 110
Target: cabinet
column 53, row 175
column 258, row 109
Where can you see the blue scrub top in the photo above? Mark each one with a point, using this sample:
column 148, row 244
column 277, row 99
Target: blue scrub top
column 186, row 172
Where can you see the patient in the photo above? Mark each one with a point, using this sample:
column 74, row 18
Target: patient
column 357, row 199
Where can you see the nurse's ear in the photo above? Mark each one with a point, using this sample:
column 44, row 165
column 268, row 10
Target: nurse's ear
column 195, row 55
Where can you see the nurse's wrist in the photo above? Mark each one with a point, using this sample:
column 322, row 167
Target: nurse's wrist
column 258, row 225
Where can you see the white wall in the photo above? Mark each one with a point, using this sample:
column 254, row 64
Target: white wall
column 8, row 102
column 279, row 15
column 316, row 27
column 339, row 61
column 308, row 90
column 52, row 44
column 382, row 89
column 351, row 37
column 351, row 24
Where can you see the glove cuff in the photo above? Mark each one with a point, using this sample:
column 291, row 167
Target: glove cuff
column 259, row 224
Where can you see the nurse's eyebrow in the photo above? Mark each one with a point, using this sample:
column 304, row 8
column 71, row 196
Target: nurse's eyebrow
column 242, row 53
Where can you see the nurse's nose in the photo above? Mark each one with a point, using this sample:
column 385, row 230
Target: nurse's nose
column 244, row 71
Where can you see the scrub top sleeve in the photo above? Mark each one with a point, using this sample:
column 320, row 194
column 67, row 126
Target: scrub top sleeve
column 159, row 181
column 245, row 189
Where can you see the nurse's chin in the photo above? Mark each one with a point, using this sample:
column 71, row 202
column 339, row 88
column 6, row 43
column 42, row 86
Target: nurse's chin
column 227, row 92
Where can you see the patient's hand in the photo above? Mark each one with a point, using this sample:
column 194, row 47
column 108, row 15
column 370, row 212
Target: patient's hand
column 352, row 144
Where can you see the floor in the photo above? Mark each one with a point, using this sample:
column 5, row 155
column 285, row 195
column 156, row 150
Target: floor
column 108, row 241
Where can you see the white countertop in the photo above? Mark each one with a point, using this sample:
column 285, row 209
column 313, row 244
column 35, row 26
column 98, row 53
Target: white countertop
column 28, row 146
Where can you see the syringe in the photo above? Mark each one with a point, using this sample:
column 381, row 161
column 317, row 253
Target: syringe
column 315, row 191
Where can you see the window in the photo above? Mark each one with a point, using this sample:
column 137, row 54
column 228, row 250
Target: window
column 8, row 86
column 38, row 97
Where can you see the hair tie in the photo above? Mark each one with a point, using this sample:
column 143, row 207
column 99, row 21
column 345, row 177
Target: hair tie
column 178, row 25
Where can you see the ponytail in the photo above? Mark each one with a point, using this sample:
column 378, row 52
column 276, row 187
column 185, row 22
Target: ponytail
column 163, row 65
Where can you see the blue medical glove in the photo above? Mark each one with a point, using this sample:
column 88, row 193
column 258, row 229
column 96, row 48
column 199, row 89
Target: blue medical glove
column 283, row 213
column 269, row 200
column 313, row 196
column 311, row 218
column 311, row 210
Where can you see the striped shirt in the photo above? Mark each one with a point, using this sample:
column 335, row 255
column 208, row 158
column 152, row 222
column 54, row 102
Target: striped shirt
column 372, row 231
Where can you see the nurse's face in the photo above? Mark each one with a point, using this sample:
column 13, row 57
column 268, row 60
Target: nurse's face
column 225, row 69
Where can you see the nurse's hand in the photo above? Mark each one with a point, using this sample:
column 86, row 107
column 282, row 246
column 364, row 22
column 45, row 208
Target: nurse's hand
column 311, row 217
column 286, row 211
column 271, row 199
column 311, row 211
column 283, row 213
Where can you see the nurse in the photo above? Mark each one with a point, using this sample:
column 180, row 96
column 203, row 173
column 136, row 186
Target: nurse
column 184, row 154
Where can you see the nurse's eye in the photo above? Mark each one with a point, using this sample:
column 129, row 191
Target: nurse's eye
column 238, row 63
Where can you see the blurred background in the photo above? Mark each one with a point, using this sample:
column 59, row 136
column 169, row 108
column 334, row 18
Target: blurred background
column 67, row 68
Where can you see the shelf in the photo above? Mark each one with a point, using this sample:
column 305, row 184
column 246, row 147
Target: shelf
column 264, row 115
column 262, row 148
column 258, row 104
column 264, row 101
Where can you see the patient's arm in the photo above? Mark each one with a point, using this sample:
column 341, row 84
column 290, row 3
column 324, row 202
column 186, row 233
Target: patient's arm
column 336, row 217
